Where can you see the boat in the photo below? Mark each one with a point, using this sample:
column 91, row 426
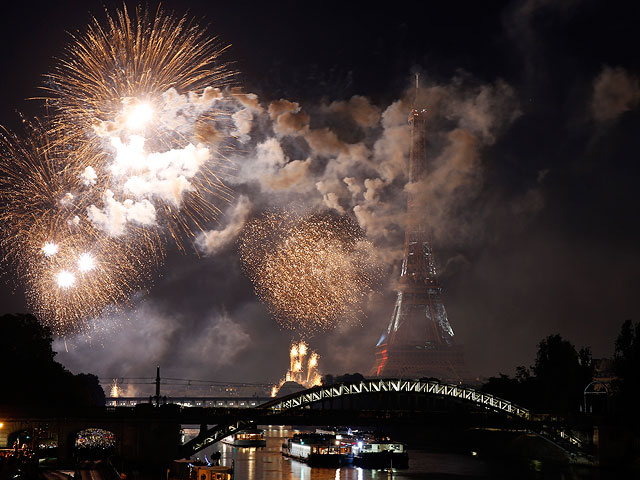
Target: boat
column 251, row 437
column 317, row 450
column 195, row 470
column 371, row 452
column 212, row 472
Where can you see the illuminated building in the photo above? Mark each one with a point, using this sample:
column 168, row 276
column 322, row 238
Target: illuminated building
column 419, row 341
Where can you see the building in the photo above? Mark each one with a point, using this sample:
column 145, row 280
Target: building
column 419, row 341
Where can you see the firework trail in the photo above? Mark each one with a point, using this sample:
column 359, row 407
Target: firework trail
column 302, row 370
column 312, row 271
column 132, row 156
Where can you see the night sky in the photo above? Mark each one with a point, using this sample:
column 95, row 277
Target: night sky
column 533, row 139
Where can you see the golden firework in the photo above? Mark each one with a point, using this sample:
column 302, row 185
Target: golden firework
column 72, row 271
column 137, row 99
column 133, row 151
column 307, row 377
column 312, row 271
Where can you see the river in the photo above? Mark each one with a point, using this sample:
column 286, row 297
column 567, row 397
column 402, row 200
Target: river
column 267, row 463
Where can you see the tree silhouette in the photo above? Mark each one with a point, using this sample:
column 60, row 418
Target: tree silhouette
column 554, row 384
column 560, row 375
column 29, row 373
column 626, row 365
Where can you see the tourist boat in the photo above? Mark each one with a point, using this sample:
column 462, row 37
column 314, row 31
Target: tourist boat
column 195, row 470
column 317, row 450
column 370, row 452
column 252, row 437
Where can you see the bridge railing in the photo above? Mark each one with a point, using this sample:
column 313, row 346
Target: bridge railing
column 318, row 394
column 214, row 435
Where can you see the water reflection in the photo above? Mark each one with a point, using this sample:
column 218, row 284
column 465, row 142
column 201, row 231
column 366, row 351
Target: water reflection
column 267, row 463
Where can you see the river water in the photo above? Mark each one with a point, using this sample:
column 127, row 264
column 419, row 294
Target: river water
column 267, row 463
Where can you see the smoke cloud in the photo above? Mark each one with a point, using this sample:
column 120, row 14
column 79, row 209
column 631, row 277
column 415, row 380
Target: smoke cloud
column 212, row 241
column 153, row 335
column 615, row 91
column 115, row 215
column 144, row 172
column 349, row 157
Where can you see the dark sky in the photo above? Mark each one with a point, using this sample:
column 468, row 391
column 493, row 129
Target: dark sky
column 537, row 211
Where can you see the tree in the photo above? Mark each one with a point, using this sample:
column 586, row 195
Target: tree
column 560, row 375
column 345, row 378
column 554, row 384
column 626, row 366
column 517, row 389
column 504, row 386
column 31, row 376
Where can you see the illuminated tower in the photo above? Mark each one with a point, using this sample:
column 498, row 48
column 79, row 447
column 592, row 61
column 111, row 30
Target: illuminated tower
column 419, row 341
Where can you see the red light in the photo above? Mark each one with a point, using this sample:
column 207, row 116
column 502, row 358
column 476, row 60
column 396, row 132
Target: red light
column 385, row 356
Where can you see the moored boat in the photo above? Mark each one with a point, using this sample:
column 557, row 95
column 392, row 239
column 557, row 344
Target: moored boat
column 194, row 470
column 370, row 452
column 317, row 450
column 253, row 437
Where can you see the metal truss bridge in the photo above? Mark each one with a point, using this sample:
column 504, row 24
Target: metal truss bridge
column 378, row 403
column 317, row 396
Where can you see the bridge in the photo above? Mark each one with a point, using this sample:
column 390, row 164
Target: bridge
column 320, row 394
column 190, row 401
column 457, row 392
column 153, row 433
column 310, row 401
column 326, row 398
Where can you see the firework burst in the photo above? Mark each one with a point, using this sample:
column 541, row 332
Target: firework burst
column 302, row 370
column 72, row 271
column 132, row 154
column 130, row 62
column 312, row 271
column 137, row 99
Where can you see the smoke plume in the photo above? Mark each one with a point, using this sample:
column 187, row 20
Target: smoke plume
column 212, row 241
column 615, row 91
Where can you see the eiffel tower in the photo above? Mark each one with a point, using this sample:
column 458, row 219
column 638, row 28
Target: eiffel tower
column 419, row 341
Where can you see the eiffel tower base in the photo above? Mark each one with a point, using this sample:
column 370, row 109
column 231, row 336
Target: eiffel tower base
column 444, row 362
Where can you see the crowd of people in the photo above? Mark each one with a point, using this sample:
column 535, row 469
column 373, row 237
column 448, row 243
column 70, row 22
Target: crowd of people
column 18, row 462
